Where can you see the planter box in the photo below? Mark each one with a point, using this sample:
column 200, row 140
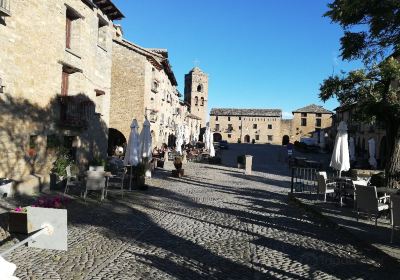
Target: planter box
column 6, row 188
column 178, row 173
column 18, row 222
column 34, row 219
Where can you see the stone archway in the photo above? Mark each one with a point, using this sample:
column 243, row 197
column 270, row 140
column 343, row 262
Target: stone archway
column 247, row 139
column 217, row 137
column 285, row 140
column 115, row 138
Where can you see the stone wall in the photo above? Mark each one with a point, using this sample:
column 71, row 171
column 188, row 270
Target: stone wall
column 246, row 128
column 32, row 56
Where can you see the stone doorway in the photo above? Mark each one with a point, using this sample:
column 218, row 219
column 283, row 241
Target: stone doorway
column 115, row 138
column 217, row 137
column 285, row 140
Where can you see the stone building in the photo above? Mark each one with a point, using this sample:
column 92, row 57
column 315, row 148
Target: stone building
column 196, row 93
column 308, row 120
column 247, row 125
column 55, row 75
column 267, row 125
column 144, row 85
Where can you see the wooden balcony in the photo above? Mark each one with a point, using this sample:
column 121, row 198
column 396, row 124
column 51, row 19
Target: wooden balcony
column 75, row 112
column 5, row 8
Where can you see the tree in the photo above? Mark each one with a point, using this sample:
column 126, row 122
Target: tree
column 375, row 88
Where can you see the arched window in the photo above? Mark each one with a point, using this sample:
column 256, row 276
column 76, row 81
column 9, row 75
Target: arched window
column 196, row 101
column 202, row 101
column 200, row 88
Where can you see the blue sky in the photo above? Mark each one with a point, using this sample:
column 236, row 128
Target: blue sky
column 258, row 53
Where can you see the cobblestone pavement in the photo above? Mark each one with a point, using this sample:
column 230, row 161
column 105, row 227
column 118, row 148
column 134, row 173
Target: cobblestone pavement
column 215, row 223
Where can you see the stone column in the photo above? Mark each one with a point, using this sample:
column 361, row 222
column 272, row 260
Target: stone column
column 248, row 164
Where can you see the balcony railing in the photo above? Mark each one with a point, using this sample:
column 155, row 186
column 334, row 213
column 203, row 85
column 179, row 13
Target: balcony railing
column 5, row 8
column 75, row 112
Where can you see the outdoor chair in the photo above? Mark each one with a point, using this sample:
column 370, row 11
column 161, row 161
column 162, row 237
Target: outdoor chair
column 117, row 180
column 324, row 186
column 95, row 181
column 72, row 180
column 395, row 213
column 346, row 189
column 368, row 202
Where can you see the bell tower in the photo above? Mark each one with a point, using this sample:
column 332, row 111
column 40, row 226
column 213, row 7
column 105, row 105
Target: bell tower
column 196, row 93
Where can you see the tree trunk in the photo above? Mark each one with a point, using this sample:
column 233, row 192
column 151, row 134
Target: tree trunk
column 393, row 156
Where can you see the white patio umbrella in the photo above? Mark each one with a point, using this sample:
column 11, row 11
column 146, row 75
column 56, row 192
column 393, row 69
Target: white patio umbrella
column 132, row 154
column 206, row 137
column 133, row 146
column 371, row 149
column 146, row 144
column 7, row 270
column 340, row 157
column 352, row 149
column 211, row 144
column 179, row 140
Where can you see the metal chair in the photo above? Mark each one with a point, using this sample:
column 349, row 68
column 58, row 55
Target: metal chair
column 325, row 187
column 95, row 181
column 117, row 180
column 368, row 202
column 72, row 180
column 395, row 213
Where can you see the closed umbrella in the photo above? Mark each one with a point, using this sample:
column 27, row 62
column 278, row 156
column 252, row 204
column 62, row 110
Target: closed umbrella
column 206, row 137
column 352, row 149
column 340, row 157
column 132, row 154
column 322, row 139
column 212, row 150
column 146, row 143
column 179, row 140
column 371, row 149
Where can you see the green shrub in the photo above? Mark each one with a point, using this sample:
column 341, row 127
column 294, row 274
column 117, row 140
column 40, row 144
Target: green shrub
column 241, row 159
column 97, row 161
column 61, row 163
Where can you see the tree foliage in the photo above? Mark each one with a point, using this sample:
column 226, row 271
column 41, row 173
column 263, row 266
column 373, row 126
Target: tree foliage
column 372, row 27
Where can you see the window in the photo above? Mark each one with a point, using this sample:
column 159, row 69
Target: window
column 257, row 137
column 318, row 115
column 230, row 127
column 240, row 118
column 318, row 122
column 229, row 118
column 304, row 115
column 154, row 86
column 102, row 33
column 255, row 126
column 199, row 88
column 68, row 30
column 196, row 101
column 64, row 83
column 303, row 122
column 240, row 127
column 229, row 135
column 202, row 101
column 270, row 126
column 270, row 137
column 217, row 127
column 216, row 118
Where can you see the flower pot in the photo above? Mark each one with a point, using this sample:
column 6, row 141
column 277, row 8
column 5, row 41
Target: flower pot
column 178, row 166
column 18, row 222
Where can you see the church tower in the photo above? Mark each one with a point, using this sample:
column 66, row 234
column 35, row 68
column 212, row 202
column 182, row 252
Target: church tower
column 196, row 93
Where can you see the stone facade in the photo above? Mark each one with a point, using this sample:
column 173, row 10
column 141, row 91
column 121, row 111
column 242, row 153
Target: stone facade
column 196, row 93
column 247, row 125
column 266, row 125
column 308, row 120
column 41, row 61
column 143, row 85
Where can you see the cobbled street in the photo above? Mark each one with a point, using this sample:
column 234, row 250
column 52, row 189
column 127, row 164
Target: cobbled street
column 214, row 223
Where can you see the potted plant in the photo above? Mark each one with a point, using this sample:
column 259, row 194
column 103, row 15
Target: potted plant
column 179, row 172
column 241, row 161
column 97, row 164
column 18, row 219
column 59, row 172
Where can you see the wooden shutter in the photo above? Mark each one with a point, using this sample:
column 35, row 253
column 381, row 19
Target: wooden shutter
column 64, row 83
column 68, row 32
